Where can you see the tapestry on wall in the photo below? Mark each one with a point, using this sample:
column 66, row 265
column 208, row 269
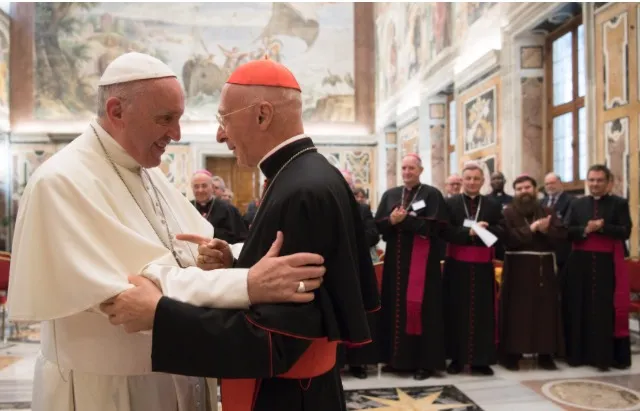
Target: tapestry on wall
column 203, row 43
column 409, row 36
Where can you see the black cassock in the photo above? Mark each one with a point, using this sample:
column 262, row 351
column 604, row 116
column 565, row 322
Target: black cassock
column 282, row 356
column 226, row 220
column 411, row 328
column 595, row 289
column 469, row 282
column 367, row 354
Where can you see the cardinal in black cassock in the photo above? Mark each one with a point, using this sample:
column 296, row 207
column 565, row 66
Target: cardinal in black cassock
column 227, row 222
column 469, row 279
column 410, row 218
column 279, row 356
column 596, row 287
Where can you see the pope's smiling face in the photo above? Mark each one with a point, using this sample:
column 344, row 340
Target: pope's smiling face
column 148, row 118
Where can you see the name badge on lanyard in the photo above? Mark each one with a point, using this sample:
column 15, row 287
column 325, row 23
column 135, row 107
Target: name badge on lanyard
column 468, row 222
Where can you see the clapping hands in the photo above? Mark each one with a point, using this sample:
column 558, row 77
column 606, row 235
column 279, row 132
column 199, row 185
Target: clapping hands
column 398, row 215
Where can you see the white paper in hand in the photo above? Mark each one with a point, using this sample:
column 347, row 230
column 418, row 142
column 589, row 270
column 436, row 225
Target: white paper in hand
column 236, row 249
column 485, row 235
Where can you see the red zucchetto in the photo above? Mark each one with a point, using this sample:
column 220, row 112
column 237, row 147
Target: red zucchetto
column 264, row 72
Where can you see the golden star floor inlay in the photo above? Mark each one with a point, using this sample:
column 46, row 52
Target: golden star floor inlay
column 407, row 403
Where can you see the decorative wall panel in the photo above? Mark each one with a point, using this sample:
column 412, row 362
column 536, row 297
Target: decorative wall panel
column 360, row 161
column 616, row 134
column 176, row 165
column 615, row 48
column 391, row 138
column 531, row 57
column 478, row 118
column 438, row 139
column 409, row 137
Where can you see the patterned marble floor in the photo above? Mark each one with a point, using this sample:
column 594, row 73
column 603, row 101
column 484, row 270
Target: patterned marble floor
column 526, row 390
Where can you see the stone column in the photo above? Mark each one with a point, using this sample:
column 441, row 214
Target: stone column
column 530, row 105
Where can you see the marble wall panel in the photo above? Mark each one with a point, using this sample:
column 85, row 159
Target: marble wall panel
column 439, row 141
column 532, row 90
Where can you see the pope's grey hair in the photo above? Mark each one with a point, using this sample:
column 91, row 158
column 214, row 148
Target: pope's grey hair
column 123, row 91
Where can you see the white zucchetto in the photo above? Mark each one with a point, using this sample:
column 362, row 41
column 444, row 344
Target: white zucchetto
column 134, row 66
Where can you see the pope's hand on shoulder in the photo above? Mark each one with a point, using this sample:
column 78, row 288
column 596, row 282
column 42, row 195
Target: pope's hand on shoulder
column 273, row 279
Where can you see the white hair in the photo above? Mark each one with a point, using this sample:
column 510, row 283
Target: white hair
column 219, row 179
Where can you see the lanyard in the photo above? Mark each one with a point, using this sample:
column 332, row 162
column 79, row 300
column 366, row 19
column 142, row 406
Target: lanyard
column 466, row 210
column 414, row 196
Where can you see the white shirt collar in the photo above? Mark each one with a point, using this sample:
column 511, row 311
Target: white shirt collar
column 117, row 153
column 279, row 146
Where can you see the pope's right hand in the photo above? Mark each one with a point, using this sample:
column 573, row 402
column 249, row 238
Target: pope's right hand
column 213, row 253
column 276, row 279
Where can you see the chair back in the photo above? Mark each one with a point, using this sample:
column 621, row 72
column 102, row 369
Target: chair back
column 378, row 268
column 5, row 263
column 633, row 267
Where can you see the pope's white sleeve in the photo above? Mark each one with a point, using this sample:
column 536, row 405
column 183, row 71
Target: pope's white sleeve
column 222, row 288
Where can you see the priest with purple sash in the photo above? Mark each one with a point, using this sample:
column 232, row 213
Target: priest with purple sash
column 410, row 219
column 596, row 291
column 469, row 281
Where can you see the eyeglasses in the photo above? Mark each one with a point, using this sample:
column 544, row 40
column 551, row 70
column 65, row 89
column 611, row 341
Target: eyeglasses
column 220, row 117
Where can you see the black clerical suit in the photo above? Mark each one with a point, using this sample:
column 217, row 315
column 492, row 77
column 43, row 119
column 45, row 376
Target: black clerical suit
column 225, row 218
column 311, row 203
column 560, row 204
column 595, row 293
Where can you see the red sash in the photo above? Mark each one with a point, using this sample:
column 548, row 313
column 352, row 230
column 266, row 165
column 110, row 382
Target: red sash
column 470, row 253
column 597, row 243
column 319, row 358
column 415, row 285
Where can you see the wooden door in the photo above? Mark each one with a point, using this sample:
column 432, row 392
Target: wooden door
column 244, row 182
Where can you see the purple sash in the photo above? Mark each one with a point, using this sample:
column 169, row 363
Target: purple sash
column 415, row 286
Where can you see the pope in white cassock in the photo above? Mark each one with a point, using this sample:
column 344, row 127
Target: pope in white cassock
column 98, row 211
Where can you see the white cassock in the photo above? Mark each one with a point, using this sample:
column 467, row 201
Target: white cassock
column 79, row 234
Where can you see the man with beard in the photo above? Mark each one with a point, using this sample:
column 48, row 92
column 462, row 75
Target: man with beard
column 224, row 217
column 559, row 201
column 529, row 297
column 596, row 288
column 359, row 357
column 469, row 279
column 410, row 218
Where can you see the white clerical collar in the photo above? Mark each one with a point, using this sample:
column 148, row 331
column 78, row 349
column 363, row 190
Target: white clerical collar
column 117, row 153
column 279, row 146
